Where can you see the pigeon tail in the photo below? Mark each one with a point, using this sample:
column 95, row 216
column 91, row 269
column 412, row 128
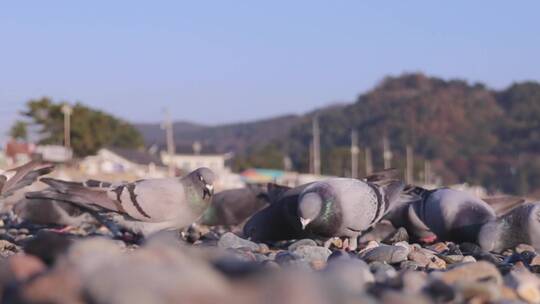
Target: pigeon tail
column 23, row 176
column 77, row 193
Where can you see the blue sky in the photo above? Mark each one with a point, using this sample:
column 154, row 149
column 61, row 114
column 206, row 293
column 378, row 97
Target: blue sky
column 225, row 61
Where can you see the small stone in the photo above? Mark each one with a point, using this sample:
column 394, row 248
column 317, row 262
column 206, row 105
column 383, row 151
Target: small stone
column 230, row 240
column 48, row 246
column 382, row 271
column 263, row 248
column 24, row 266
column 439, row 247
column 470, row 249
column 312, row 253
column 317, row 265
column 410, row 265
column 472, row 272
column 369, row 246
column 413, row 281
column 351, row 275
column 381, row 231
column 302, row 242
column 427, row 259
column 526, row 284
column 339, row 255
column 393, row 297
column 451, row 259
column 386, row 253
column 8, row 246
column 24, row 231
column 468, row 259
column 285, row 257
column 535, row 261
column 524, row 247
column 13, row 231
column 440, row 292
column 399, row 235
column 480, row 292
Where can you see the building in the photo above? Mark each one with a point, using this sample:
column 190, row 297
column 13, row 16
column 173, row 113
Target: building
column 186, row 163
column 18, row 152
column 190, row 162
column 132, row 162
column 54, row 153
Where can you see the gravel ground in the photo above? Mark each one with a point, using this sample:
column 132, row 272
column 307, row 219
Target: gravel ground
column 213, row 265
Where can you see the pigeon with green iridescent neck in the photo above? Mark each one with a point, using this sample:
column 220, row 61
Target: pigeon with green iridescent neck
column 345, row 207
column 144, row 206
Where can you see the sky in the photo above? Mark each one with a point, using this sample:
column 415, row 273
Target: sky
column 215, row 62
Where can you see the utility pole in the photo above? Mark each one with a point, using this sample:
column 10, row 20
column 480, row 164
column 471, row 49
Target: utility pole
column 409, row 174
column 387, row 154
column 354, row 154
column 369, row 165
column 316, row 147
column 67, row 110
column 169, row 134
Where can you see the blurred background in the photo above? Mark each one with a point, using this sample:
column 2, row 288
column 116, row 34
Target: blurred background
column 283, row 91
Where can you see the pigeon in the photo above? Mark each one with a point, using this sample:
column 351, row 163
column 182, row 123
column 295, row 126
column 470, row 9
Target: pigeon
column 20, row 177
column 142, row 207
column 447, row 214
column 520, row 225
column 278, row 221
column 52, row 212
column 346, row 207
column 234, row 206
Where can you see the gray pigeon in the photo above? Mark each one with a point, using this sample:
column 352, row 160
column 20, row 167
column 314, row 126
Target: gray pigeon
column 345, row 207
column 51, row 212
column 278, row 221
column 144, row 206
column 234, row 206
column 20, row 177
column 519, row 226
column 447, row 214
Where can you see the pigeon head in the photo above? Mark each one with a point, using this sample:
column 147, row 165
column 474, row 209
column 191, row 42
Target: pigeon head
column 309, row 207
column 204, row 178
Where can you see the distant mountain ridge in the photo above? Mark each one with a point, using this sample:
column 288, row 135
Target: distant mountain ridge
column 234, row 137
column 468, row 132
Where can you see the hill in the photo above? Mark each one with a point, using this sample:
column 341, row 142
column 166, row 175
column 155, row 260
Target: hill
column 468, row 132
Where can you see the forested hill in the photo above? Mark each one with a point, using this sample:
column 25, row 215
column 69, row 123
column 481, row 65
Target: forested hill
column 469, row 132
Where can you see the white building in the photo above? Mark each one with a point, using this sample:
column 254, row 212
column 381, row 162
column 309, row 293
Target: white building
column 190, row 162
column 124, row 161
column 216, row 162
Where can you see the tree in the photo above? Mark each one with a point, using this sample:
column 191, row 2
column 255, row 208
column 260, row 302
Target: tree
column 90, row 129
column 18, row 130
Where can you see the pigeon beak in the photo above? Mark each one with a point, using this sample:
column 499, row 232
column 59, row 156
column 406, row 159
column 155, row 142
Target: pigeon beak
column 304, row 222
column 208, row 191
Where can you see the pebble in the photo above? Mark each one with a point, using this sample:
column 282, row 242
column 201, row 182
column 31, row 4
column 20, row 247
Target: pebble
column 399, row 235
column 440, row 247
column 303, row 242
column 386, row 253
column 312, row 253
column 47, row 246
column 472, row 272
column 526, row 284
column 231, row 240
column 480, row 292
column 382, row 272
column 413, row 281
column 524, row 247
